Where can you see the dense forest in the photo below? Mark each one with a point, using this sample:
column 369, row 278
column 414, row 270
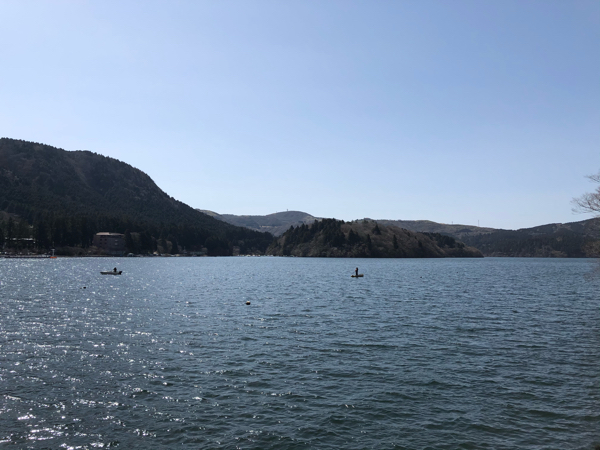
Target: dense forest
column 73, row 235
column 52, row 198
column 578, row 239
column 575, row 239
column 365, row 239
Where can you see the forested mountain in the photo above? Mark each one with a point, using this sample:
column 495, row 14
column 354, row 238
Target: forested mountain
column 68, row 196
column 276, row 223
column 52, row 198
column 365, row 238
column 576, row 239
column 427, row 226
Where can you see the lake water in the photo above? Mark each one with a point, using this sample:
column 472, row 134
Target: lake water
column 419, row 354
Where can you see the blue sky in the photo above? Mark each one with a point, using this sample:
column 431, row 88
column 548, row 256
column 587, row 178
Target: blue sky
column 451, row 111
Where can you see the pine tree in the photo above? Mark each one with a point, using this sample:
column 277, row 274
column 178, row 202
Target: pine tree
column 353, row 237
column 129, row 242
column 174, row 246
column 41, row 233
column 10, row 229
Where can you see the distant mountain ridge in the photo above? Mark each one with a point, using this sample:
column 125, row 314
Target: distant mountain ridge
column 276, row 223
column 575, row 239
column 61, row 198
column 428, row 226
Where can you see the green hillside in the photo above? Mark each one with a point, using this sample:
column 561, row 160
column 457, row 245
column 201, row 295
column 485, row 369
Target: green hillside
column 365, row 239
column 68, row 196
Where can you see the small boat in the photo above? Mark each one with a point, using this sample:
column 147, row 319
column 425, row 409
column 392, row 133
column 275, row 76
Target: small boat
column 112, row 272
column 360, row 275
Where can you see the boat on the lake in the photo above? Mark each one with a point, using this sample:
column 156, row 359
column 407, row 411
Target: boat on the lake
column 112, row 272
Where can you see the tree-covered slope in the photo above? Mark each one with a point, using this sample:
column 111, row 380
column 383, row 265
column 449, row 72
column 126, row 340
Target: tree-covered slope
column 574, row 239
column 427, row 226
column 577, row 239
column 40, row 183
column 365, row 238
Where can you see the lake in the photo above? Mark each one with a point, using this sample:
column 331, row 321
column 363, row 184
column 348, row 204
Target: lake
column 494, row 353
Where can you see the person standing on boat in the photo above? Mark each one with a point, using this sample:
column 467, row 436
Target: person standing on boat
column 356, row 272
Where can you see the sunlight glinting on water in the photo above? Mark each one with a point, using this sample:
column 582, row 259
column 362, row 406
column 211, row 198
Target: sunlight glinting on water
column 445, row 354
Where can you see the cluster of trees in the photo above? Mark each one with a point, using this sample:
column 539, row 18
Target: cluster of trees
column 330, row 234
column 15, row 233
column 61, row 199
column 365, row 239
column 445, row 241
column 330, row 231
column 562, row 243
column 66, row 233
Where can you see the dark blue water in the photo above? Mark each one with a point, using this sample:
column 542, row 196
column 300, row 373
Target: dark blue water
column 418, row 354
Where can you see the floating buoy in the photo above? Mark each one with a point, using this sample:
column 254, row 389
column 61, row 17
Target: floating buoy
column 247, row 303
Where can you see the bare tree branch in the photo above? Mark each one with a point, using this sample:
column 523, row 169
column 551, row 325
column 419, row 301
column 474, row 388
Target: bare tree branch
column 590, row 201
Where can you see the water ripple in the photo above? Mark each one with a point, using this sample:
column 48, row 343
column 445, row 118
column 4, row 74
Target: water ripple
column 429, row 354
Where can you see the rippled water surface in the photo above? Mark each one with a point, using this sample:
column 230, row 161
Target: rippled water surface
column 419, row 354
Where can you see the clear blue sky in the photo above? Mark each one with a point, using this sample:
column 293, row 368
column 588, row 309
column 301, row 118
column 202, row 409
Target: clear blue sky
column 452, row 111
